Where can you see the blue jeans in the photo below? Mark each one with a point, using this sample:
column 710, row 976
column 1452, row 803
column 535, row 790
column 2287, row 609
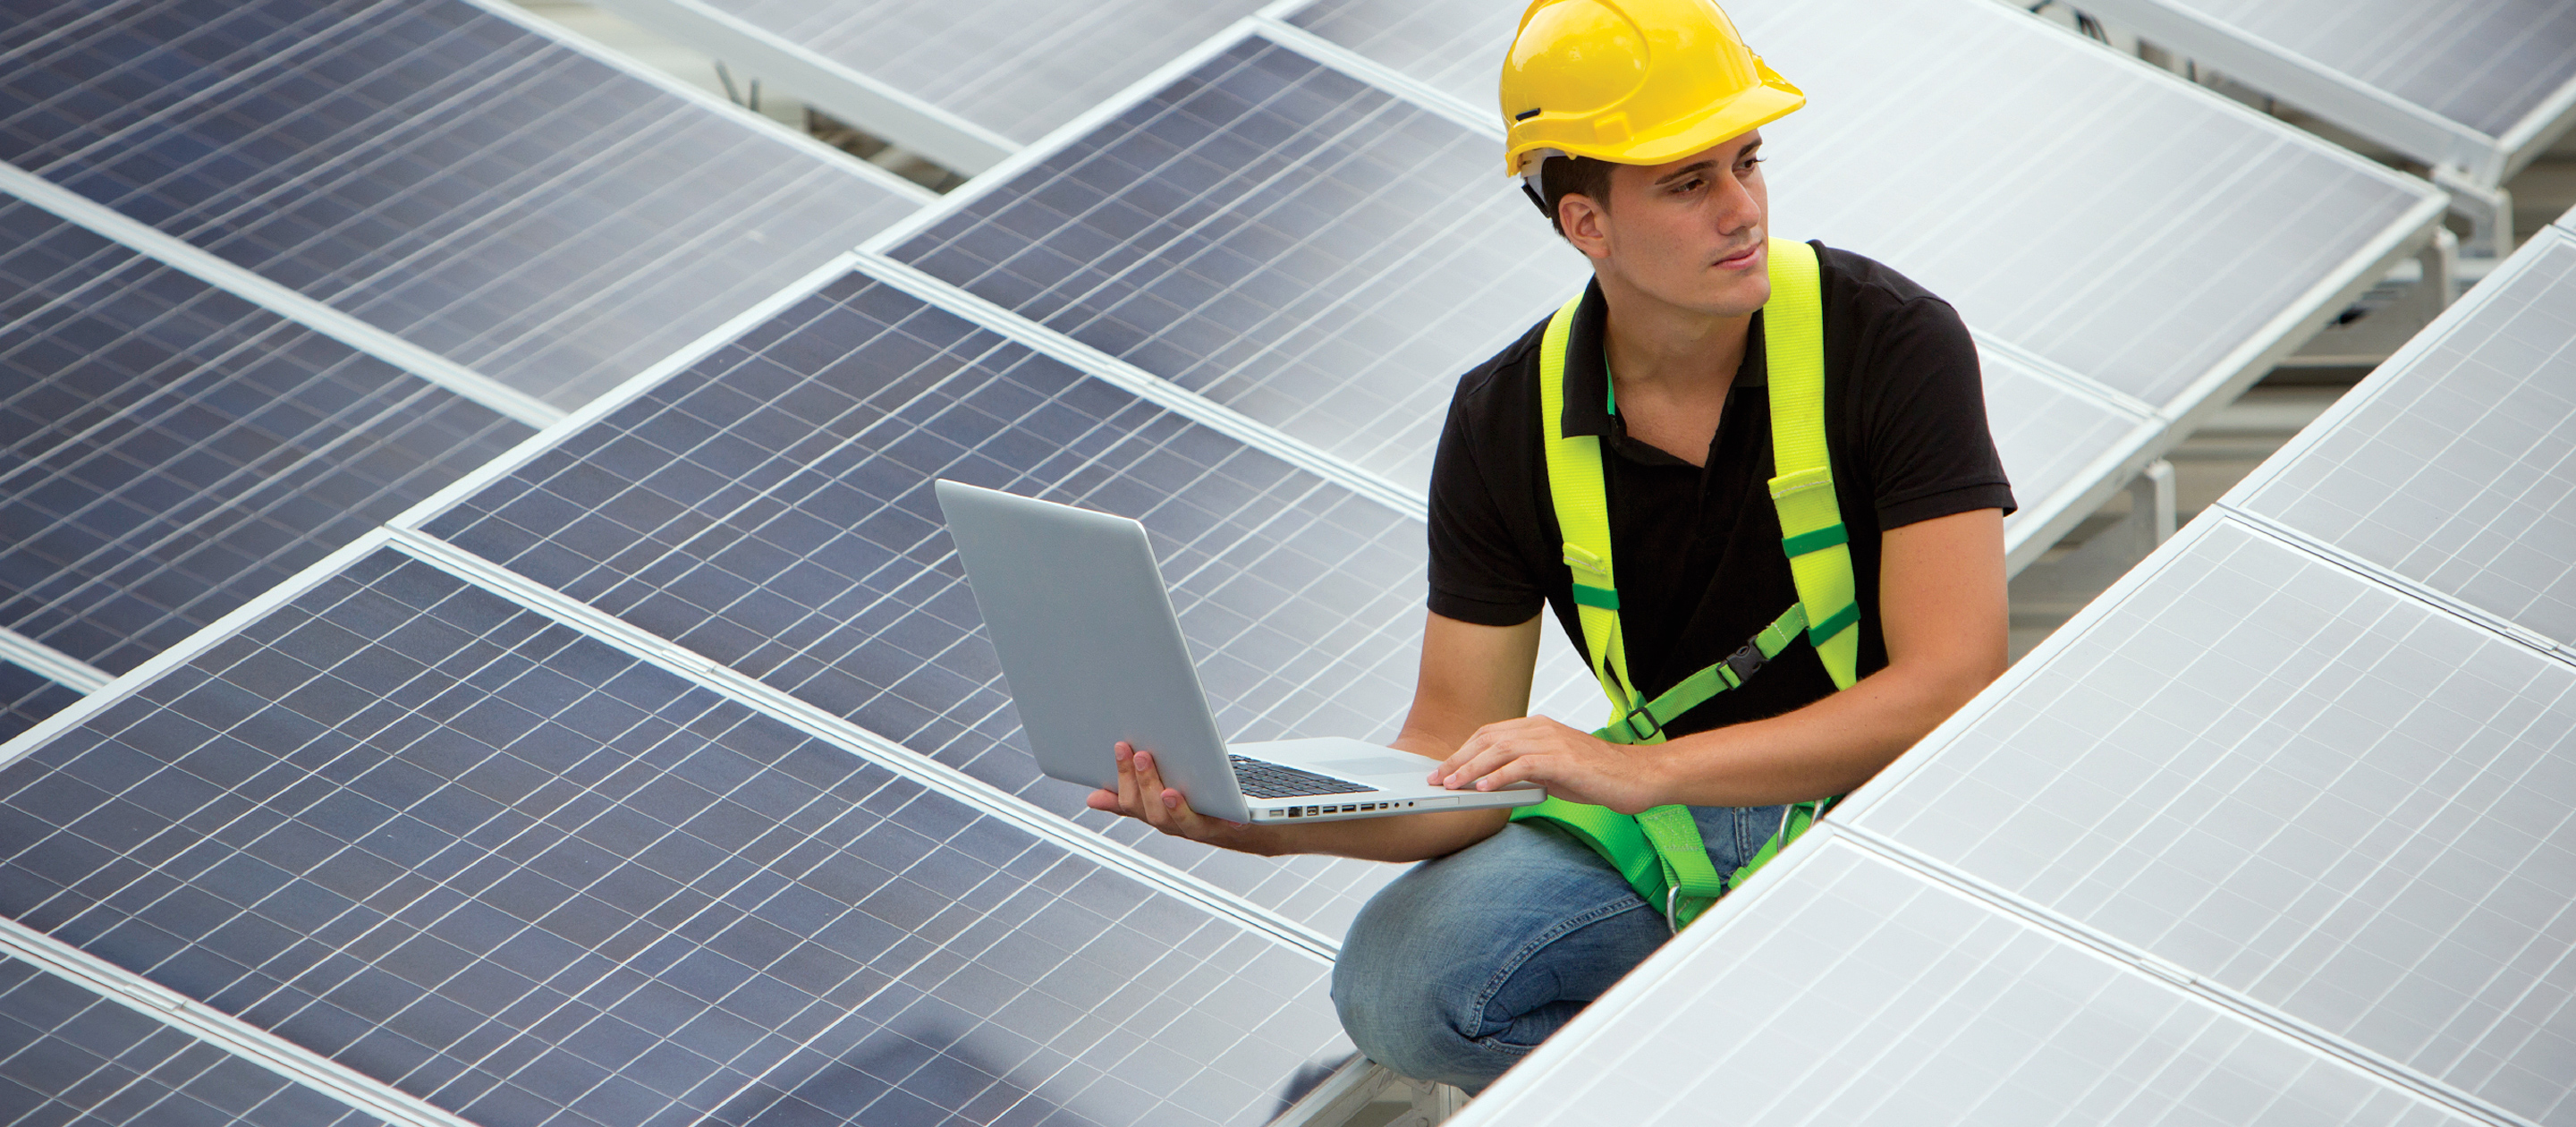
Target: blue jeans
column 1460, row 967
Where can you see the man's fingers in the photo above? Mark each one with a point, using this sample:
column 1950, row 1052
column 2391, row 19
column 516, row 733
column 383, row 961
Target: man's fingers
column 1467, row 752
column 1104, row 800
column 1165, row 808
column 1495, row 753
column 1527, row 768
column 1154, row 799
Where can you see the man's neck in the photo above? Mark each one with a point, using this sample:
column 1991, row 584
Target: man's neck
column 1661, row 351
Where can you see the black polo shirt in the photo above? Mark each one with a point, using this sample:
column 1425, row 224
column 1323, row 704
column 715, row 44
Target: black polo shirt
column 1697, row 550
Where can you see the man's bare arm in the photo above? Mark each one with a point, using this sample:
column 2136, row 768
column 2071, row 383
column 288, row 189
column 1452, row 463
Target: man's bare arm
column 1471, row 676
column 1942, row 608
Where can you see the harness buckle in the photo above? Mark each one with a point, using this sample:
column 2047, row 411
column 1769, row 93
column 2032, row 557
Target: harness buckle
column 1745, row 662
column 1645, row 734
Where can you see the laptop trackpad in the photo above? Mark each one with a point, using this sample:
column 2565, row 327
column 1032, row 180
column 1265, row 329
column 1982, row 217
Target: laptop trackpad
column 1377, row 765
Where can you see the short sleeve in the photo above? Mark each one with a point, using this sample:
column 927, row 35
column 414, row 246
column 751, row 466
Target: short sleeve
column 1477, row 573
column 1923, row 418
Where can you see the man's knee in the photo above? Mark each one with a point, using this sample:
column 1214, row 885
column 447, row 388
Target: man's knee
column 1403, row 1006
column 1420, row 971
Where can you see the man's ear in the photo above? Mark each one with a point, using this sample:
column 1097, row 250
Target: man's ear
column 1586, row 224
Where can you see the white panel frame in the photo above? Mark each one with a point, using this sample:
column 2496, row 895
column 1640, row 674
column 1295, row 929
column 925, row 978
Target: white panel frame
column 288, row 305
column 894, row 114
column 221, row 1032
column 611, row 57
column 53, row 664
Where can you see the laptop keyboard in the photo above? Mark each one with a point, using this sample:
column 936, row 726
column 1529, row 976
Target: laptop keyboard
column 1261, row 779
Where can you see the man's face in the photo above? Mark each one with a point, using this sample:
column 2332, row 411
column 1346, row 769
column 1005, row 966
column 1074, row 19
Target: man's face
column 1692, row 233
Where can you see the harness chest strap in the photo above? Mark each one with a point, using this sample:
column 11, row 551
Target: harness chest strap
column 1660, row 851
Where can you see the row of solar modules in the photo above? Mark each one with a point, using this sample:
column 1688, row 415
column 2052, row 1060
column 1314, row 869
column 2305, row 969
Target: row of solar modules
column 1301, row 218
column 144, row 865
column 759, row 520
column 942, row 1053
column 215, row 209
column 2278, row 831
column 2481, row 89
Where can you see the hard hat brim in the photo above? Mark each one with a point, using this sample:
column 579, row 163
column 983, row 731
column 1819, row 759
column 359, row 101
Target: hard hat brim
column 1774, row 99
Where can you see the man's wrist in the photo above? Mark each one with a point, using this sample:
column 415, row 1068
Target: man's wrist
column 1259, row 841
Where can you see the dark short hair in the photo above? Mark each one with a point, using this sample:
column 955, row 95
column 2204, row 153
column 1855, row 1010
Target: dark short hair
column 1572, row 176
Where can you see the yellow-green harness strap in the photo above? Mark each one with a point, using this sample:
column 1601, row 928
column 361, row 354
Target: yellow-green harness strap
column 1811, row 521
column 1660, row 851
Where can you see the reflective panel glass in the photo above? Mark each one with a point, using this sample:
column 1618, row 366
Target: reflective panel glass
column 69, row 1056
column 461, row 848
column 169, row 450
column 771, row 508
column 1858, row 992
column 2304, row 786
column 2457, row 469
column 488, row 193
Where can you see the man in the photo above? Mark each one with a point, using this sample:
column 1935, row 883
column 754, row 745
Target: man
column 1642, row 117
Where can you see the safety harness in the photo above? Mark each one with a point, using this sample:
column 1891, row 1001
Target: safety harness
column 1660, row 851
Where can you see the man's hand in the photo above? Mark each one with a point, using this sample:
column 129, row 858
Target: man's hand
column 1142, row 795
column 1572, row 765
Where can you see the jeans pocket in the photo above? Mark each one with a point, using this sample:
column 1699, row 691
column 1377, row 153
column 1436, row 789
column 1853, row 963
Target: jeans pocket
column 1754, row 826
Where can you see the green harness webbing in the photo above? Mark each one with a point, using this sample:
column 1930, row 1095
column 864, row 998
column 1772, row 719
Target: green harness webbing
column 1660, row 851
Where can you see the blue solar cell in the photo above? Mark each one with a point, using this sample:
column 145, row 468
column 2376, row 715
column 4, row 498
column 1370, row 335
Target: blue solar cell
column 572, row 888
column 70, row 1056
column 771, row 508
column 168, row 450
column 433, row 168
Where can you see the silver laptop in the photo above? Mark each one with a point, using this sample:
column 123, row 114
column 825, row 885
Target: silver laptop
column 1093, row 655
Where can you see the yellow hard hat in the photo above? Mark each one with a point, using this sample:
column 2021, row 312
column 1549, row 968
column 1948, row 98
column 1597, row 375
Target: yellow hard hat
column 1633, row 81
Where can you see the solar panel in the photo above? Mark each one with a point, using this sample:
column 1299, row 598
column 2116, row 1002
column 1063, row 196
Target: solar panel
column 2452, row 467
column 435, row 169
column 27, row 698
column 2304, row 786
column 1000, row 73
column 771, row 508
column 2484, row 87
column 2067, row 201
column 466, row 850
column 168, row 450
column 71, row 1056
column 2058, row 443
column 1852, row 990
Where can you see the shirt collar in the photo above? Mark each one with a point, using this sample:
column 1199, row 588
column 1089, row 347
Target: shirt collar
column 1587, row 368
